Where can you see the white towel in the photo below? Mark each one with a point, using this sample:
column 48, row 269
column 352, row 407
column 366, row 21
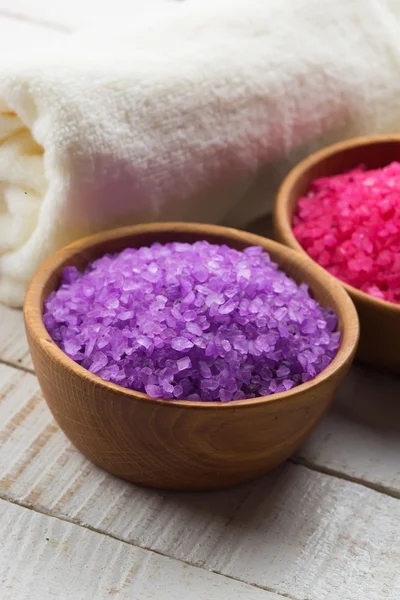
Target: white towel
column 192, row 113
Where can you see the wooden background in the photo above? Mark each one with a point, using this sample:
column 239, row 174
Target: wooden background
column 326, row 526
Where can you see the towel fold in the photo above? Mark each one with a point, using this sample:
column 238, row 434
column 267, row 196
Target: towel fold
column 194, row 113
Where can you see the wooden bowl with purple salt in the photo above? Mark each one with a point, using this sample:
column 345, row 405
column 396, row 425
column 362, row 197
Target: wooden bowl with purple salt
column 341, row 206
column 185, row 356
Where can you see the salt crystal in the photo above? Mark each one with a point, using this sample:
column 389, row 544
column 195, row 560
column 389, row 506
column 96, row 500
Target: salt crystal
column 125, row 315
column 167, row 387
column 72, row 347
column 111, row 302
column 204, row 369
column 226, row 345
column 283, row 371
column 227, row 308
column 178, row 391
column 155, row 391
column 194, row 328
column 190, row 315
column 214, row 299
column 180, row 344
column 184, row 363
column 99, row 361
column 200, row 273
column 225, row 395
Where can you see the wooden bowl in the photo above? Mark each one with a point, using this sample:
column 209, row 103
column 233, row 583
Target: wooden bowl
column 181, row 445
column 379, row 320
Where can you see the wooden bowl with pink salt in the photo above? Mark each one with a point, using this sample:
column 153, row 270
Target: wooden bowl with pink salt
column 167, row 354
column 341, row 207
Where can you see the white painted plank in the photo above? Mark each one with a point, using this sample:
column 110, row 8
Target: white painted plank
column 13, row 345
column 76, row 13
column 43, row 558
column 297, row 532
column 360, row 437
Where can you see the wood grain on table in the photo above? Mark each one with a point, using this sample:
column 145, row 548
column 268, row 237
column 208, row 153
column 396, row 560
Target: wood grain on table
column 326, row 526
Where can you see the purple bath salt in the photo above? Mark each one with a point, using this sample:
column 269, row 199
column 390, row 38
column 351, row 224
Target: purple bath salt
column 198, row 321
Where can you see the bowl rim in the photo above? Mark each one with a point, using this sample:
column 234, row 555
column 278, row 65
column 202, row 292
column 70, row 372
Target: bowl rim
column 34, row 322
column 282, row 224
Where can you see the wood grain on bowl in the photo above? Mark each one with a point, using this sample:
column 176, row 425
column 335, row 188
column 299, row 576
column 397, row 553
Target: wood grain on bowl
column 182, row 444
column 379, row 320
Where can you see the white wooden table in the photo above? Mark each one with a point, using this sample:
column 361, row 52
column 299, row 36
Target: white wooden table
column 325, row 526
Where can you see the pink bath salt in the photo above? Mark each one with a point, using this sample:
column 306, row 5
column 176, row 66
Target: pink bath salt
column 350, row 225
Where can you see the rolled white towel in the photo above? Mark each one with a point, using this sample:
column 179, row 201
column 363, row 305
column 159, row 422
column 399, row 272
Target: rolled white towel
column 194, row 113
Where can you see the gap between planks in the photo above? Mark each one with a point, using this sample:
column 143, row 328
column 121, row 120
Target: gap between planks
column 380, row 489
column 48, row 513
column 18, row 367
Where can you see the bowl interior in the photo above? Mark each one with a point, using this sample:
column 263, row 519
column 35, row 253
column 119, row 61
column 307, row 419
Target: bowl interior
column 323, row 287
column 373, row 153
